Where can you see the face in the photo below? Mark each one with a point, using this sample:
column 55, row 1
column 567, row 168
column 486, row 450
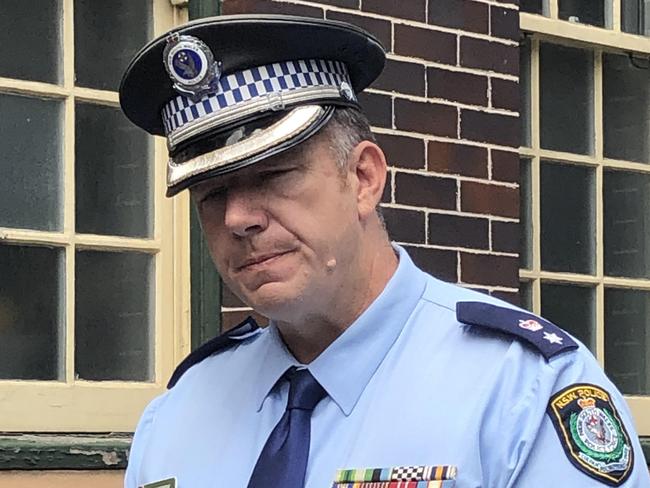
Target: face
column 283, row 233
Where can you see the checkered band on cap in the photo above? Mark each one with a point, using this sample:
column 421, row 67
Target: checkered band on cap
column 263, row 82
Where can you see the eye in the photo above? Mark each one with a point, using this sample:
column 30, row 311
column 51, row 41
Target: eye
column 214, row 194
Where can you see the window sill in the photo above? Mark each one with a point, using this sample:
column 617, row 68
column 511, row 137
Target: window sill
column 64, row 451
column 86, row 451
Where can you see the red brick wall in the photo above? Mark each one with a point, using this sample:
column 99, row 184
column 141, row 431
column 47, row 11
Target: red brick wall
column 445, row 113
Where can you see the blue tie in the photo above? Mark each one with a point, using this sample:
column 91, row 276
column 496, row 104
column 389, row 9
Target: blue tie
column 283, row 460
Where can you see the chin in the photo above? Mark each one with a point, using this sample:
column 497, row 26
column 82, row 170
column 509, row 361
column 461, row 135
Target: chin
column 277, row 301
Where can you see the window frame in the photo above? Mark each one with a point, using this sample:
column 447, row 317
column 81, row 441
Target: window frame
column 72, row 405
column 596, row 40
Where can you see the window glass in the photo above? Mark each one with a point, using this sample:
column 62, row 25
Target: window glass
column 106, row 36
column 566, row 99
column 113, row 332
column 31, row 160
column 583, row 11
column 627, row 348
column 31, row 313
column 627, row 224
column 635, row 16
column 30, row 36
column 573, row 309
column 626, row 108
column 525, row 215
column 113, row 173
column 567, row 218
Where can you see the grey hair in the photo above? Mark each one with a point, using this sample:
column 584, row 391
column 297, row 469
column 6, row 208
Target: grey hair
column 344, row 131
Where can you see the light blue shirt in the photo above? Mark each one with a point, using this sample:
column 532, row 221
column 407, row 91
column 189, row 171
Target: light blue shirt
column 407, row 385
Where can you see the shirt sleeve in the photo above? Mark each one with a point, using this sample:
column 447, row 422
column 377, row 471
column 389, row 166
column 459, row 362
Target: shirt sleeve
column 575, row 429
column 140, row 442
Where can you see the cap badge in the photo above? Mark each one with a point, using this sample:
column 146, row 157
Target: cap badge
column 191, row 65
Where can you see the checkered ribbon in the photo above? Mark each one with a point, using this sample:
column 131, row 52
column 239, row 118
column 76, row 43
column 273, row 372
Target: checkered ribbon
column 262, row 82
column 398, row 476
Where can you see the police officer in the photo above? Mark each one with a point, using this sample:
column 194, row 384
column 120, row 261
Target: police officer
column 370, row 370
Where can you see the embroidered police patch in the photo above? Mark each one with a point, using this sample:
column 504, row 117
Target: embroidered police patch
column 592, row 433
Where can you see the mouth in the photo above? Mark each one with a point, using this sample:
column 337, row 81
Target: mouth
column 260, row 261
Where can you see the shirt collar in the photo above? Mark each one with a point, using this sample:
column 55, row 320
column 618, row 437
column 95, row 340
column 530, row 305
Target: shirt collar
column 347, row 365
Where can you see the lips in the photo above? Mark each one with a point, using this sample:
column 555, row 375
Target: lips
column 260, row 260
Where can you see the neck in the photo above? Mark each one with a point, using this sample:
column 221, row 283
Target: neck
column 309, row 336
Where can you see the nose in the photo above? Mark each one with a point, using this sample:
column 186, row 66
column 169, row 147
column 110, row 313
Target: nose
column 244, row 213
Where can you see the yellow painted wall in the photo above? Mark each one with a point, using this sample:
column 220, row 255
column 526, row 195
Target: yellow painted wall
column 61, row 479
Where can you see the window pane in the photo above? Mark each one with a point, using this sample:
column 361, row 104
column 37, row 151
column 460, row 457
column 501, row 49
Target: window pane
column 566, row 99
column 583, row 11
column 31, row 313
column 573, row 309
column 567, row 218
column 525, row 216
column 626, row 109
column 635, row 16
column 30, row 36
column 532, row 6
column 524, row 92
column 31, row 162
column 113, row 332
column 627, row 348
column 106, row 36
column 627, row 224
column 113, row 173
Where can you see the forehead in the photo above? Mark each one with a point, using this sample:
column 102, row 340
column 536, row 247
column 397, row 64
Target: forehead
column 305, row 155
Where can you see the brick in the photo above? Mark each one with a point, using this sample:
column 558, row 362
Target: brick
column 489, row 127
column 505, row 237
column 505, row 94
column 441, row 264
column 268, row 7
column 403, row 152
column 401, row 77
column 426, row 44
column 427, row 118
column 485, row 269
column 387, row 195
column 459, row 14
column 445, row 157
column 410, row 9
column 490, row 56
column 342, row 3
column 507, row 296
column 405, row 225
column 489, row 199
column 378, row 108
column 381, row 29
column 458, row 231
column 425, row 191
column 505, row 166
column 504, row 22
column 233, row 319
column 457, row 86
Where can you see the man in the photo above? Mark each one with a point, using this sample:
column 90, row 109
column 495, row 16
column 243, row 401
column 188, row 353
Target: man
column 371, row 370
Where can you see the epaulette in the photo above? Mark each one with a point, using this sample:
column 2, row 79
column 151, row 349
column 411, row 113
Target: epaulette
column 246, row 329
column 543, row 335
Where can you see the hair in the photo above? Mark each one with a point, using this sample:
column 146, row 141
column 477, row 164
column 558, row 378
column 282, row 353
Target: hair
column 344, row 131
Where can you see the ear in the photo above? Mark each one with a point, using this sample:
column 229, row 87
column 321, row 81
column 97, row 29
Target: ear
column 368, row 163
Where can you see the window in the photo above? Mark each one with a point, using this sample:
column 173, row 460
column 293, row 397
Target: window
column 585, row 180
column 94, row 288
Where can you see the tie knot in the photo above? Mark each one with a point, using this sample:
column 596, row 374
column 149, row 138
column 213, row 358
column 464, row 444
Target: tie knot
column 304, row 391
